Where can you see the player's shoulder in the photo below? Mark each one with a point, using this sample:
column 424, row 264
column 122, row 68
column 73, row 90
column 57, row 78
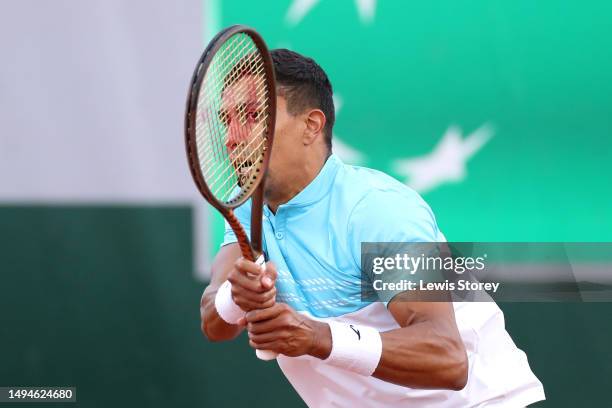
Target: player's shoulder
column 366, row 187
column 377, row 201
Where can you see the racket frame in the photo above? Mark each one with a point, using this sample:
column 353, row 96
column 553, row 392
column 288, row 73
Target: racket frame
column 251, row 248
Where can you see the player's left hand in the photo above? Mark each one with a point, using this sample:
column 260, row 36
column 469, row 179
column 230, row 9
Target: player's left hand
column 281, row 329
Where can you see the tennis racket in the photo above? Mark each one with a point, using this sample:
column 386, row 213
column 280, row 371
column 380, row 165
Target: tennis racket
column 229, row 127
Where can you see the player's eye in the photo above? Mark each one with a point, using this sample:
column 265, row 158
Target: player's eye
column 224, row 118
column 253, row 115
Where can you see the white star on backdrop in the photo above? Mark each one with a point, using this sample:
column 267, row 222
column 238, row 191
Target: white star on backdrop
column 300, row 8
column 447, row 162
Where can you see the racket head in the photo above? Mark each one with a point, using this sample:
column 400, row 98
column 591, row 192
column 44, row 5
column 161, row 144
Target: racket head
column 230, row 117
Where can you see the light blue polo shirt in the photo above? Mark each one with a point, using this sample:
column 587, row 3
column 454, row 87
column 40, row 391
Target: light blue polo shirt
column 315, row 238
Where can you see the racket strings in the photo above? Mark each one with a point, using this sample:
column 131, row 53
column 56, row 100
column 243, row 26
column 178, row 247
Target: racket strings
column 216, row 73
column 219, row 69
column 220, row 138
column 251, row 148
column 240, row 151
column 220, row 61
column 210, row 95
column 248, row 170
column 244, row 161
column 231, row 139
column 262, row 105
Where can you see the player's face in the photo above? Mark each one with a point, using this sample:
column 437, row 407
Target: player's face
column 242, row 114
column 287, row 149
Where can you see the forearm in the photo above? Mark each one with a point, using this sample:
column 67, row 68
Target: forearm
column 423, row 355
column 213, row 326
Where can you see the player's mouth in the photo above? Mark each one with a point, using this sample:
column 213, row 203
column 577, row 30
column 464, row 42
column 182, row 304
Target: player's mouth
column 244, row 167
column 243, row 170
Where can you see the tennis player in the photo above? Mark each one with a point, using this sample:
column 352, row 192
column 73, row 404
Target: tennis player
column 336, row 350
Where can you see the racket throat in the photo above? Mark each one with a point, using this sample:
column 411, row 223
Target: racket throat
column 257, row 219
column 243, row 240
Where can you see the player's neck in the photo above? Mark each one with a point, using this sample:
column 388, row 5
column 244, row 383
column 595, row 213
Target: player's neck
column 295, row 182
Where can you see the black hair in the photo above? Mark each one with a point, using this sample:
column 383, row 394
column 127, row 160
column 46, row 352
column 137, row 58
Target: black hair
column 304, row 84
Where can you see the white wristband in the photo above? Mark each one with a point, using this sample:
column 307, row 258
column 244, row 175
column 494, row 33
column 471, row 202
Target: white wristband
column 226, row 308
column 355, row 348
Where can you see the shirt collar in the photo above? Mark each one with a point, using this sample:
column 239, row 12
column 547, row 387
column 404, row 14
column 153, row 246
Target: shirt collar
column 320, row 186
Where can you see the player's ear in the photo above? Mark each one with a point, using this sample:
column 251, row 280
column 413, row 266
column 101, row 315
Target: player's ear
column 315, row 122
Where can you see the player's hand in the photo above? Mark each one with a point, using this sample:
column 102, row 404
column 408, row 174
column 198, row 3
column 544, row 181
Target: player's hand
column 253, row 286
column 283, row 330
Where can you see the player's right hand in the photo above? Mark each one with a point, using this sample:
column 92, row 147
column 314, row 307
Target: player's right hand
column 253, row 286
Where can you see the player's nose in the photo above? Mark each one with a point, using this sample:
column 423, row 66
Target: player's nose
column 233, row 137
column 236, row 135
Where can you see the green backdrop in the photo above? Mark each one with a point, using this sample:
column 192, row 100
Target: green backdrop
column 537, row 74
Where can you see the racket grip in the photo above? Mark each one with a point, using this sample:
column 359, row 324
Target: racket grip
column 266, row 355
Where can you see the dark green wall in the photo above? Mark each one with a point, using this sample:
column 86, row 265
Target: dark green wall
column 104, row 299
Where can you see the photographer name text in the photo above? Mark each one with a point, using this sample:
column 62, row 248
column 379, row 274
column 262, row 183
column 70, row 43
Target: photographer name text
column 411, row 285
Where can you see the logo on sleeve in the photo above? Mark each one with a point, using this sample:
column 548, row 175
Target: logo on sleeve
column 356, row 331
